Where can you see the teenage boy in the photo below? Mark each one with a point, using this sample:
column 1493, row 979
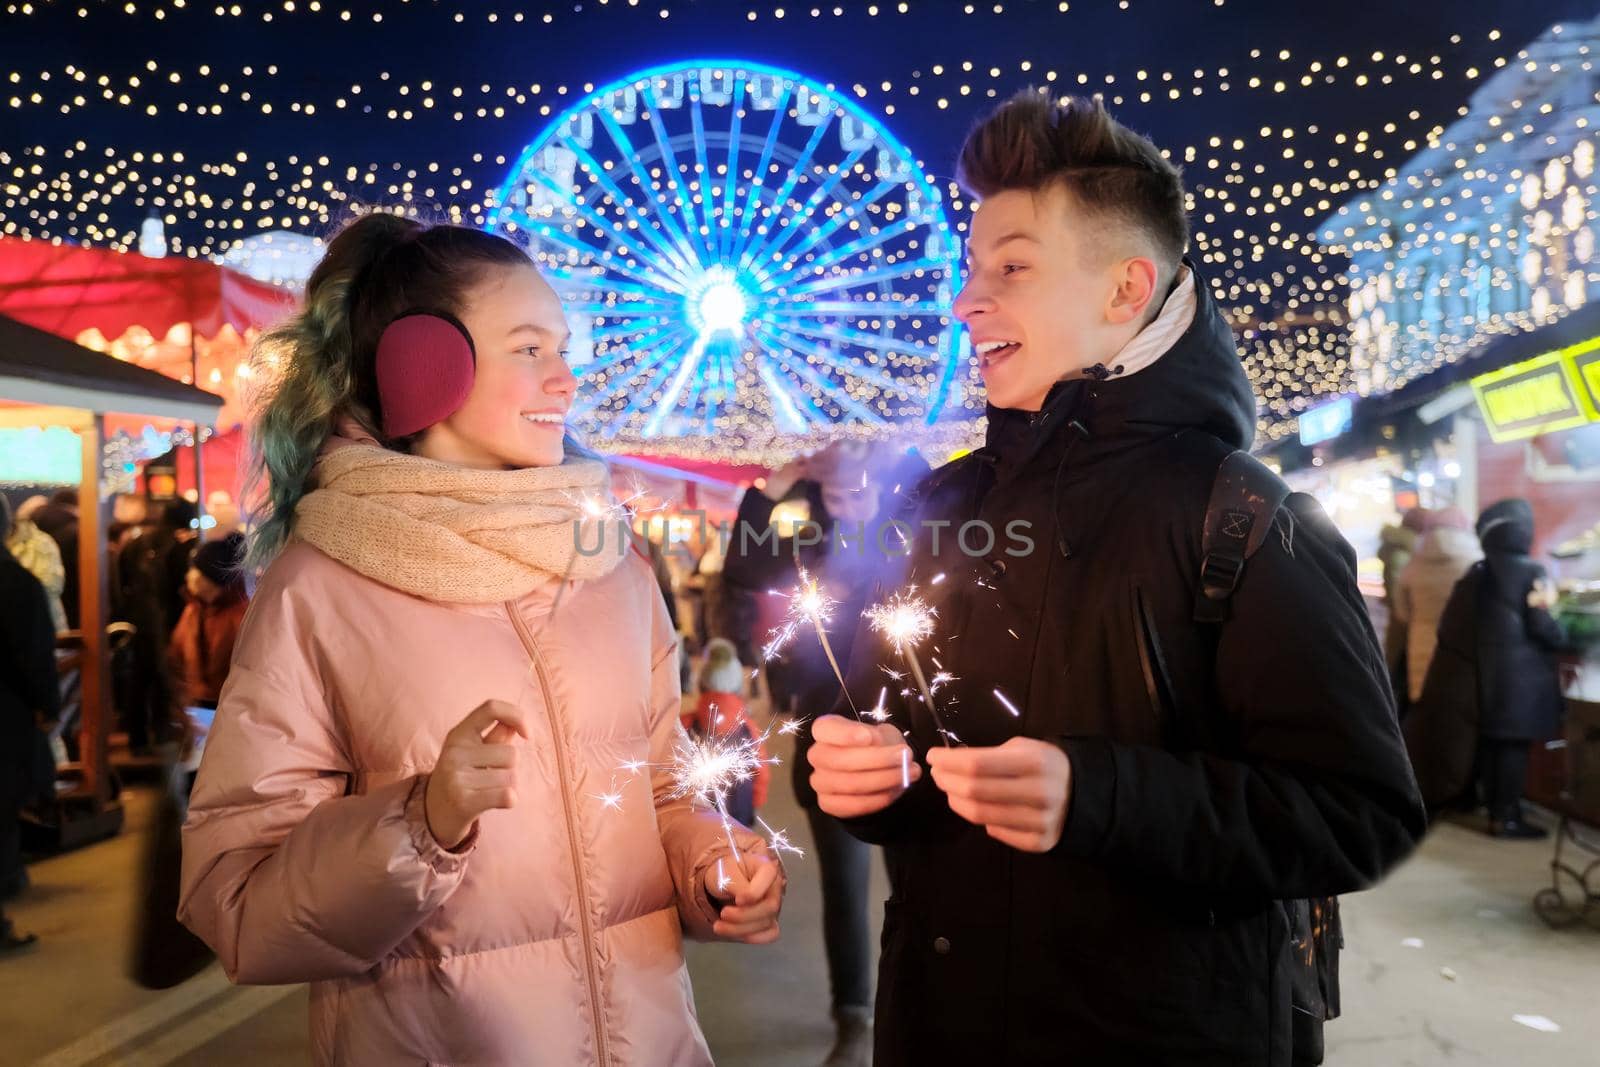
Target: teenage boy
column 1173, row 736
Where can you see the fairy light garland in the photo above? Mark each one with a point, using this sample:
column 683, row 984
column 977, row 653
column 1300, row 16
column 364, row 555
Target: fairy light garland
column 1256, row 209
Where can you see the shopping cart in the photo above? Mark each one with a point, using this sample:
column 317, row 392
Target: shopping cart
column 1573, row 895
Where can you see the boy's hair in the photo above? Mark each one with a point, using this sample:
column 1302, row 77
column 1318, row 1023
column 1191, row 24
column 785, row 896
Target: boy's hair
column 1032, row 142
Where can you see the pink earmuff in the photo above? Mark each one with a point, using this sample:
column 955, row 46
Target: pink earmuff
column 426, row 364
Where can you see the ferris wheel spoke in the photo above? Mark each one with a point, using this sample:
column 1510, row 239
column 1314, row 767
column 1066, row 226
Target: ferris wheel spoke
column 784, row 404
column 613, row 388
column 689, row 252
column 752, row 199
column 781, row 352
column 633, row 310
column 747, row 253
column 851, row 309
column 707, row 199
column 837, row 257
column 578, row 286
column 640, row 345
column 869, row 277
column 796, row 339
column 770, row 248
column 858, row 209
column 571, row 243
column 639, row 329
column 664, row 251
column 618, row 235
column 952, row 344
column 877, row 342
column 671, row 360
column 674, row 175
column 725, row 229
column 687, row 364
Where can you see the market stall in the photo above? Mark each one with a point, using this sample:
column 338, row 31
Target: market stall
column 56, row 398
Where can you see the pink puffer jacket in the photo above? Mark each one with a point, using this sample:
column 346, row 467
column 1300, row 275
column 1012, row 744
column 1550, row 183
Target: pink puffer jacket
column 555, row 937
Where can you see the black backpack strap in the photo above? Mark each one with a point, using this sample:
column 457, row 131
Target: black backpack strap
column 1244, row 502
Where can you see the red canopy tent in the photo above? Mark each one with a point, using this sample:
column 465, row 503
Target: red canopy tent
column 189, row 319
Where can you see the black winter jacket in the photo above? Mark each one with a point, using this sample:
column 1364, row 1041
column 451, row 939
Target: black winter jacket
column 1219, row 772
column 1519, row 687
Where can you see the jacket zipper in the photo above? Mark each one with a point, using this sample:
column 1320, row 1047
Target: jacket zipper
column 557, row 731
column 1158, row 685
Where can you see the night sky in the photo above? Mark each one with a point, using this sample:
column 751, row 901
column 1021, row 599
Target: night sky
column 1269, row 275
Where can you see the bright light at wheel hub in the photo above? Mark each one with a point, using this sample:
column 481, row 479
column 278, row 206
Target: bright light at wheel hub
column 720, row 306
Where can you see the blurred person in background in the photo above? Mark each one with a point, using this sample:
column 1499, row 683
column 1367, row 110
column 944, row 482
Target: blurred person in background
column 38, row 552
column 29, row 700
column 1447, row 550
column 202, row 642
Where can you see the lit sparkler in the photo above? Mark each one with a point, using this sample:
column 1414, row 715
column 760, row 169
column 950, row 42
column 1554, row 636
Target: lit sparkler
column 809, row 605
column 907, row 620
column 706, row 769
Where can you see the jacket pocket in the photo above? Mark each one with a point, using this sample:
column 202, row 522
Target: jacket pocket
column 1153, row 667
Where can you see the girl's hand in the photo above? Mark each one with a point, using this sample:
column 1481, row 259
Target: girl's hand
column 750, row 913
column 476, row 772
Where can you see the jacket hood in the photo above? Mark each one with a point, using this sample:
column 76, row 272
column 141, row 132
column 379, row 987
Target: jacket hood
column 1448, row 544
column 1507, row 527
column 1199, row 384
column 1401, row 537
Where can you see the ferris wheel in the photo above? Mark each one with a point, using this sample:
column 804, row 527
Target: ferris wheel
column 744, row 255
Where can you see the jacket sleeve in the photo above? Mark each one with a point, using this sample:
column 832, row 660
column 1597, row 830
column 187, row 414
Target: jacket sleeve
column 35, row 650
column 1316, row 795
column 287, row 875
column 1400, row 606
column 1542, row 627
column 693, row 838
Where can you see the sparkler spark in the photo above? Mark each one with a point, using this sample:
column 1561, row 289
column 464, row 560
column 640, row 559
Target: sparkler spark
column 905, row 768
column 906, row 620
column 1005, row 702
column 723, row 881
column 611, row 799
column 778, row 840
column 878, row 712
column 791, row 727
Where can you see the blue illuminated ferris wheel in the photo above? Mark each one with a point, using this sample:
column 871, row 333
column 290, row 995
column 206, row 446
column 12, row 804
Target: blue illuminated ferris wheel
column 744, row 255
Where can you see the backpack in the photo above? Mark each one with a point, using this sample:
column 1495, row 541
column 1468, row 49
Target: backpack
column 1245, row 498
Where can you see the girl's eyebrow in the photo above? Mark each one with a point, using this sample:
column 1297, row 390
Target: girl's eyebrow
column 528, row 327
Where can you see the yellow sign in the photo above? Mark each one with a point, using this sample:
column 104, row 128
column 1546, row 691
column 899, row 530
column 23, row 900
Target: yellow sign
column 1555, row 391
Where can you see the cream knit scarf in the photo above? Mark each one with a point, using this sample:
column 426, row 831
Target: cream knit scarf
column 458, row 535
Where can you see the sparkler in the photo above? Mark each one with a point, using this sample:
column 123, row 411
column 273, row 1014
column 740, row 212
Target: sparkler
column 705, row 769
column 907, row 620
column 808, row 604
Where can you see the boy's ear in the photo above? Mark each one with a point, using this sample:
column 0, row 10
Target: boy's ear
column 1135, row 279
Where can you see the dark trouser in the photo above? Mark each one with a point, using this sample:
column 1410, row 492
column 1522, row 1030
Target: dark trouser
column 846, row 865
column 11, row 869
column 1505, row 777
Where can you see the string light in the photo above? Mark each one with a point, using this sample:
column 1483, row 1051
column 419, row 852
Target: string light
column 1258, row 200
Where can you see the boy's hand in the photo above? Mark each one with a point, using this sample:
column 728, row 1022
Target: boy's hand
column 858, row 768
column 1018, row 792
column 751, row 914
